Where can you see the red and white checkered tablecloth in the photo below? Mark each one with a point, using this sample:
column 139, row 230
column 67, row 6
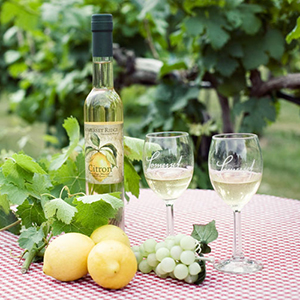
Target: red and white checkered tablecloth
column 271, row 234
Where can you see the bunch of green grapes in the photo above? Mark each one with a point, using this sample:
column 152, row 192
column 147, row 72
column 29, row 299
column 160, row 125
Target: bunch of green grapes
column 176, row 257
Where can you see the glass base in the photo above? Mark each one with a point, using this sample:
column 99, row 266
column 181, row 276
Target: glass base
column 238, row 265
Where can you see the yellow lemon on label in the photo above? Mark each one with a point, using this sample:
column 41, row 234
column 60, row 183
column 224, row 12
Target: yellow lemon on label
column 99, row 166
column 66, row 256
column 110, row 232
column 112, row 264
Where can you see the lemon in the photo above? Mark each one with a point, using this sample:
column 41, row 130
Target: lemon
column 112, row 264
column 65, row 258
column 110, row 232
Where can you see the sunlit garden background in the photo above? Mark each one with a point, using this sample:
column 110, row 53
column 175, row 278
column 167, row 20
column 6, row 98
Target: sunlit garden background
column 198, row 66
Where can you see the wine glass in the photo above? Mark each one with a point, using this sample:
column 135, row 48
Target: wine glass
column 235, row 171
column 168, row 164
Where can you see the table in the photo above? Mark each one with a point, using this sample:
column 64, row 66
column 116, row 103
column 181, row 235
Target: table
column 270, row 227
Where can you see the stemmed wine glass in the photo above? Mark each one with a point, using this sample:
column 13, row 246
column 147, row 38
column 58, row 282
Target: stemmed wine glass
column 168, row 164
column 235, row 170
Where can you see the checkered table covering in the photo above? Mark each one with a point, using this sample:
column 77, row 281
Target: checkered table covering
column 270, row 228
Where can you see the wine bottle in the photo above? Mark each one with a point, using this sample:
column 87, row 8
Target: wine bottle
column 103, row 119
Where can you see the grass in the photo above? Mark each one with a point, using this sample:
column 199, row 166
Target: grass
column 281, row 152
column 16, row 134
column 280, row 146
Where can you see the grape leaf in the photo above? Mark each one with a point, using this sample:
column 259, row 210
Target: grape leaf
column 168, row 68
column 274, row 43
column 194, row 26
column 61, row 209
column 214, row 23
column 113, row 199
column 15, row 194
column 7, row 218
column 202, row 274
column 133, row 148
column 257, row 112
column 40, row 185
column 31, row 236
column 226, row 65
column 96, row 210
column 71, row 174
column 59, row 227
column 27, row 163
column 251, row 23
column 295, row 33
column 254, row 53
column 14, row 173
column 131, row 178
column 72, row 128
column 4, row 203
column 31, row 213
column 205, row 234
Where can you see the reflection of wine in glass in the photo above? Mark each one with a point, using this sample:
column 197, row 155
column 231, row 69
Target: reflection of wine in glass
column 235, row 170
column 168, row 165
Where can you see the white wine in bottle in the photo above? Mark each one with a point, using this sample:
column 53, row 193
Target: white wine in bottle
column 103, row 119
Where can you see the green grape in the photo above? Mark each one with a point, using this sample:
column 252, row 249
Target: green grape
column 149, row 245
column 151, row 260
column 142, row 250
column 168, row 264
column 144, row 267
column 135, row 248
column 188, row 243
column 161, row 253
column 194, row 268
column 178, row 238
column 191, row 278
column 171, row 274
column 174, row 257
column 176, row 252
column 161, row 245
column 169, row 238
column 138, row 256
column 160, row 272
column 181, row 271
column 170, row 244
column 187, row 257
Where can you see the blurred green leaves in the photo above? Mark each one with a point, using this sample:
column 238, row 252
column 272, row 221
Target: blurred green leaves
column 45, row 59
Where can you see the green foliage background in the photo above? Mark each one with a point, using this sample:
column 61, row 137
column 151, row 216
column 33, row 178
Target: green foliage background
column 46, row 62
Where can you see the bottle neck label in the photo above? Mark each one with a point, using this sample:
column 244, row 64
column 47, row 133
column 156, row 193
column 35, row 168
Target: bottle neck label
column 104, row 158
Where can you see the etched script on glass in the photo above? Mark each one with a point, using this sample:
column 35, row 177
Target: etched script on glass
column 155, row 165
column 227, row 165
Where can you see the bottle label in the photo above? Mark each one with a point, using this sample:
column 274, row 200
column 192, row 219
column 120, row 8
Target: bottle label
column 104, row 158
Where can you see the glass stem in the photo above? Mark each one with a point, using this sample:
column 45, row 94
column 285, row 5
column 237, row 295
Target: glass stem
column 237, row 240
column 170, row 219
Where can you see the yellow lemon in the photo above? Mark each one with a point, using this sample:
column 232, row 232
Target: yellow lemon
column 65, row 258
column 99, row 166
column 110, row 232
column 112, row 264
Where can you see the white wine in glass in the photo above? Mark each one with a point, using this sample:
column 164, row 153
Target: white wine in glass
column 235, row 170
column 168, row 164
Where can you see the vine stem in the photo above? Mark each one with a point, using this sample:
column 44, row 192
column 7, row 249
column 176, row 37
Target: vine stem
column 10, row 225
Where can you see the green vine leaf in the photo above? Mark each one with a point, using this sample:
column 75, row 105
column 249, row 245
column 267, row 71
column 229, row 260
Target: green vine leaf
column 61, row 209
column 112, row 148
column 89, row 150
column 205, row 234
column 95, row 139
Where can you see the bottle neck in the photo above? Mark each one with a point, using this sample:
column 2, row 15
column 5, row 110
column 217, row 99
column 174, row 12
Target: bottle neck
column 103, row 72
